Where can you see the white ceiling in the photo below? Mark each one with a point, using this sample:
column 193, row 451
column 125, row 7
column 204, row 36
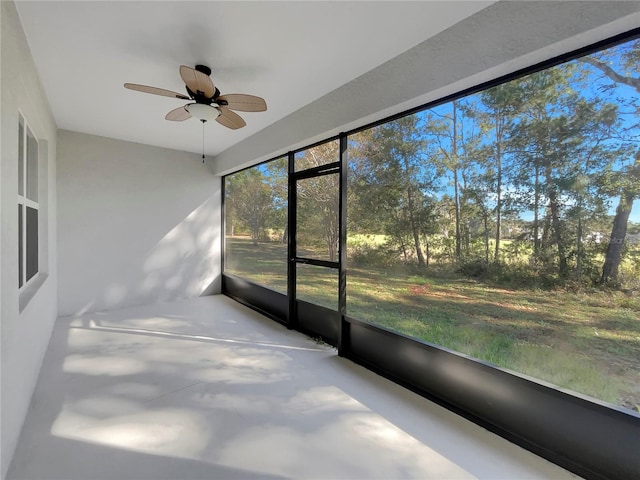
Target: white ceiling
column 290, row 53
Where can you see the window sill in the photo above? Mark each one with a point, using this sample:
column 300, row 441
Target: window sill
column 30, row 290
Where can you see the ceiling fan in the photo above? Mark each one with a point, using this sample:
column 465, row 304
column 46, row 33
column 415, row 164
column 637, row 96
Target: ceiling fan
column 207, row 102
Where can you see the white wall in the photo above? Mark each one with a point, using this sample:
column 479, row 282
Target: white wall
column 136, row 224
column 498, row 40
column 25, row 331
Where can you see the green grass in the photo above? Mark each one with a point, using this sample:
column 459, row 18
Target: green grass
column 263, row 263
column 585, row 341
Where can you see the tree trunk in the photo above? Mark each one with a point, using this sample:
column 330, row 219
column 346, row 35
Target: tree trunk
column 331, row 235
column 486, row 237
column 454, row 156
column 616, row 240
column 426, row 242
column 404, row 251
column 414, row 229
column 554, row 209
column 333, row 252
column 579, row 249
column 334, row 245
column 498, row 184
column 467, row 238
column 536, row 213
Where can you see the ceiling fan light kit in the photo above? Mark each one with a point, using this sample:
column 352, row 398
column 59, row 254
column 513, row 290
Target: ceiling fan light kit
column 202, row 112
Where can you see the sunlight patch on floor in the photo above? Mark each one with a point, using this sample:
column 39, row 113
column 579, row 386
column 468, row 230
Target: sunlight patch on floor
column 209, row 389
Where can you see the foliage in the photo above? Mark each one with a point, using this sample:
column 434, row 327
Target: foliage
column 365, row 254
column 540, row 159
column 318, row 202
column 255, row 201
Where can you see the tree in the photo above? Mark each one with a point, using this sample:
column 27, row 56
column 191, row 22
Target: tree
column 446, row 133
column 390, row 177
column 619, row 64
column 249, row 200
column 499, row 116
column 318, row 199
column 278, row 180
column 628, row 182
column 457, row 136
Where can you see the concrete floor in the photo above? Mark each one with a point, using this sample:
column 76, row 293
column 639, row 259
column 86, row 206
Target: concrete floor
column 208, row 389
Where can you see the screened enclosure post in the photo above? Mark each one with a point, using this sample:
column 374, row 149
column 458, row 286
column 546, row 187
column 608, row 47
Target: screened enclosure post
column 223, row 225
column 291, row 244
column 343, row 334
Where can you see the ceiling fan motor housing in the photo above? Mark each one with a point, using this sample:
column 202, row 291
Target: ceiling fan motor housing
column 200, row 97
column 204, row 69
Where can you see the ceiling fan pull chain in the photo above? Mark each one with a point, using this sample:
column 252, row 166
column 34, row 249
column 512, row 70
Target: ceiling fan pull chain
column 203, row 122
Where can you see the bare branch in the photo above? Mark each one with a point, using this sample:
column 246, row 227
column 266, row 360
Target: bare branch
column 612, row 74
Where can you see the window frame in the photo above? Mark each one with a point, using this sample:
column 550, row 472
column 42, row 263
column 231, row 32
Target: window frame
column 24, row 202
column 223, row 228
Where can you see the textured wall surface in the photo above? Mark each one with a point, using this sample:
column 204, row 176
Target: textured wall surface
column 27, row 317
column 136, row 224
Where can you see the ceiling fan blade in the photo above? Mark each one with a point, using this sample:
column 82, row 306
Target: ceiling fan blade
column 197, row 81
column 155, row 91
column 179, row 114
column 243, row 103
column 230, row 119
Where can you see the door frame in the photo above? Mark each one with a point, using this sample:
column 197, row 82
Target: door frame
column 333, row 168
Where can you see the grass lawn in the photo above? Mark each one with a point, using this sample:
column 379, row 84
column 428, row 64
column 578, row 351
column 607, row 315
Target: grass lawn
column 588, row 342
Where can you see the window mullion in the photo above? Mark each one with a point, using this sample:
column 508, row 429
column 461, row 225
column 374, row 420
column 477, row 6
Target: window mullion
column 24, row 157
column 29, row 203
